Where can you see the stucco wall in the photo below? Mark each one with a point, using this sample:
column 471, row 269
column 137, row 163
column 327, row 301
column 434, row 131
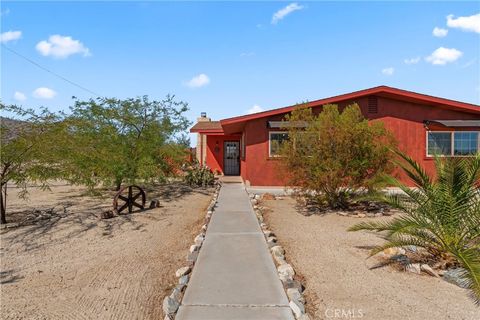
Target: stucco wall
column 215, row 150
column 403, row 119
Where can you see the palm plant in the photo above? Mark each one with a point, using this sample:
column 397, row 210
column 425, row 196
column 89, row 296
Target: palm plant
column 441, row 215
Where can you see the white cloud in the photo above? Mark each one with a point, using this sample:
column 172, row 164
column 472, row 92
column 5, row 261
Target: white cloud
column 412, row 60
column 442, row 56
column 198, row 81
column 44, row 93
column 256, row 108
column 388, row 71
column 282, row 13
column 61, row 47
column 19, row 96
column 439, row 32
column 10, row 36
column 471, row 23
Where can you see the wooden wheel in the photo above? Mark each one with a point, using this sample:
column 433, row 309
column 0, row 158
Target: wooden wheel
column 129, row 197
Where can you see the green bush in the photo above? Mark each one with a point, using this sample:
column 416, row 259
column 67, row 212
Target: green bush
column 199, row 176
column 441, row 215
column 333, row 154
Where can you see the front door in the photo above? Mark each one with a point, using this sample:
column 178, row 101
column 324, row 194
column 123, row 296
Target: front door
column 231, row 158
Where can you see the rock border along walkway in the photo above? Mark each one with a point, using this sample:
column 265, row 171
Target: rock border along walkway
column 234, row 275
column 172, row 302
column 286, row 273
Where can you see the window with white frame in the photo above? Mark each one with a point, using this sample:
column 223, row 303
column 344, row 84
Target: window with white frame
column 453, row 143
column 465, row 143
column 276, row 140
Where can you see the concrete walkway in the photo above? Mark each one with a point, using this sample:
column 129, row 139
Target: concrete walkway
column 234, row 276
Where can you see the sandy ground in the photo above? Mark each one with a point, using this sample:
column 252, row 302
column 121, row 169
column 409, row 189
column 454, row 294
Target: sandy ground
column 339, row 283
column 77, row 266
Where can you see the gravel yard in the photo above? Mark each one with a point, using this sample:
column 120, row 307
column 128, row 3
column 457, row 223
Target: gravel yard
column 339, row 282
column 73, row 265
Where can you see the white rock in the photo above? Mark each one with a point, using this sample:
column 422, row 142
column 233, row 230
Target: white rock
column 170, row 305
column 182, row 271
column 268, row 233
column 285, row 271
column 183, row 280
column 279, row 259
column 193, row 248
column 199, row 240
column 257, row 196
column 271, row 243
column 413, row 268
column 272, row 238
column 298, row 308
column 294, row 294
column 428, row 270
column 176, row 294
column 277, row 250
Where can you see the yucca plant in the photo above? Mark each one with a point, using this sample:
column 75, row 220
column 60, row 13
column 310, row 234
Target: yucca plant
column 441, row 215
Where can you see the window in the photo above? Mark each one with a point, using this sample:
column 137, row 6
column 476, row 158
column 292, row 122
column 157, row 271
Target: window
column 276, row 140
column 459, row 143
column 465, row 143
column 439, row 143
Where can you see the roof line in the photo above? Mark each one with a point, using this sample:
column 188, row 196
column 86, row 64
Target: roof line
column 346, row 96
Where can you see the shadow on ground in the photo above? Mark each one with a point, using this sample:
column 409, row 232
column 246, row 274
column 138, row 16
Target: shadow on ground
column 75, row 212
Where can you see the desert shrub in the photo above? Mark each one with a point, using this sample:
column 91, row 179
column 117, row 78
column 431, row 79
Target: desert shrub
column 441, row 215
column 332, row 154
column 199, row 176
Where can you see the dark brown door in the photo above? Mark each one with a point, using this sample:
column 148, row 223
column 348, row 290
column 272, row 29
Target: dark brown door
column 231, row 158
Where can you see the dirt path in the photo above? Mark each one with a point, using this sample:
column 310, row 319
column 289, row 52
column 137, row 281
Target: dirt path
column 79, row 267
column 340, row 284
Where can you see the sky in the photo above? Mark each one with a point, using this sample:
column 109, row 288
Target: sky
column 234, row 58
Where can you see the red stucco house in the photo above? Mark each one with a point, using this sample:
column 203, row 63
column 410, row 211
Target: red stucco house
column 422, row 125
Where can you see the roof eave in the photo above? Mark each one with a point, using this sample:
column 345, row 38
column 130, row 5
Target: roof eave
column 460, row 106
column 193, row 130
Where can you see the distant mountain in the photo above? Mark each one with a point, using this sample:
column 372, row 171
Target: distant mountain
column 10, row 128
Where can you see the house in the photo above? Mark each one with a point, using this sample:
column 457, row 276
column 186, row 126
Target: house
column 422, row 124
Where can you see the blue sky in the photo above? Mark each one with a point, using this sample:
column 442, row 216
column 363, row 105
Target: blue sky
column 225, row 58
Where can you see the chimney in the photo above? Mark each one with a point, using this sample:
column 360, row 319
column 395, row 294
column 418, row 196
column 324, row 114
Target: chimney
column 203, row 117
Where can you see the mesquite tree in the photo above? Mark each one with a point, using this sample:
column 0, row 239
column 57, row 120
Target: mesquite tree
column 333, row 154
column 28, row 150
column 111, row 141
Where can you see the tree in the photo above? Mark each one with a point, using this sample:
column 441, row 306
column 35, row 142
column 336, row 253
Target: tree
column 28, row 150
column 442, row 215
column 112, row 141
column 330, row 155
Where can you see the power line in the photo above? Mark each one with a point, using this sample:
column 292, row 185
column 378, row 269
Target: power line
column 51, row 72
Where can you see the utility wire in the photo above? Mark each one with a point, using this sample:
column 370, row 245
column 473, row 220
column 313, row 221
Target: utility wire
column 51, row 72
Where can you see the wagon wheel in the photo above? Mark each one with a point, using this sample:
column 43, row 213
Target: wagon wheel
column 128, row 197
